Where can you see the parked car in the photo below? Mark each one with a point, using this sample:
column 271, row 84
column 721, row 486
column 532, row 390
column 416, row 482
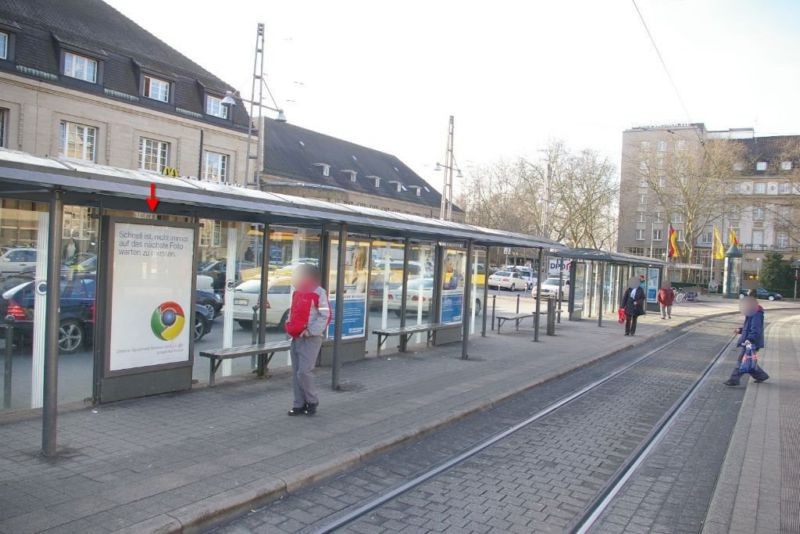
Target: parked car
column 211, row 301
column 279, row 298
column 15, row 260
column 511, row 280
column 76, row 316
column 203, row 321
column 413, row 298
column 762, row 293
column 550, row 289
column 527, row 275
column 216, row 269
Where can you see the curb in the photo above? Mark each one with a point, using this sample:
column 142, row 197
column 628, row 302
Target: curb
column 212, row 511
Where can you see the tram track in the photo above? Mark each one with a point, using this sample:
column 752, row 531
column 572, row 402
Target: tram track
column 583, row 521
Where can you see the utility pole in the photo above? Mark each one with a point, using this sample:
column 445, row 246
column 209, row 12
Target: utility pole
column 255, row 117
column 446, row 208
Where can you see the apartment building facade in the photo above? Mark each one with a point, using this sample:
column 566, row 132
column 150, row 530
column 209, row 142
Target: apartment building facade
column 760, row 202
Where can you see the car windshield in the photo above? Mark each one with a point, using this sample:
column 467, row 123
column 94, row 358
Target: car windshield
column 250, row 286
column 502, row 273
column 551, row 281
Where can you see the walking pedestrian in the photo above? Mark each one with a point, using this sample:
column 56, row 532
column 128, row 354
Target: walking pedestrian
column 665, row 298
column 751, row 336
column 307, row 324
column 633, row 304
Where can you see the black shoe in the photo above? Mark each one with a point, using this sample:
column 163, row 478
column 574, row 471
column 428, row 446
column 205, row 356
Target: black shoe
column 298, row 411
column 730, row 382
column 311, row 409
column 759, row 380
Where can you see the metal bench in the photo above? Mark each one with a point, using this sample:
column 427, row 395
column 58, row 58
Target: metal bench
column 405, row 332
column 517, row 317
column 264, row 352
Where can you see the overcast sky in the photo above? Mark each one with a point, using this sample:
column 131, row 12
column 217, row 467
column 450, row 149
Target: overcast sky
column 514, row 74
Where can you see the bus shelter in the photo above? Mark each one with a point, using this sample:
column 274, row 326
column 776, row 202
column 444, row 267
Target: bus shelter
column 595, row 280
column 116, row 301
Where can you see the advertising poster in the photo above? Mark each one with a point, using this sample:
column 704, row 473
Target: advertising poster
column 353, row 318
column 652, row 284
column 452, row 305
column 151, row 295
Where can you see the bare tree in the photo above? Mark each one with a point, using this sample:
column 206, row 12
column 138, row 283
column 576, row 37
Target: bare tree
column 564, row 196
column 690, row 184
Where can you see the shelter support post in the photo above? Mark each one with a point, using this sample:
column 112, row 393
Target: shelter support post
column 262, row 302
column 539, row 272
column 53, row 292
column 404, row 292
column 338, row 314
column 601, row 280
column 466, row 310
column 485, row 299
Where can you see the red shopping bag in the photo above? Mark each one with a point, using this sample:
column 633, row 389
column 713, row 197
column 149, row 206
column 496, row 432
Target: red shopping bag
column 621, row 316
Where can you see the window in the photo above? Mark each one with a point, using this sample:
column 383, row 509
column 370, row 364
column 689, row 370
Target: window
column 211, row 233
column 156, row 89
column 80, row 67
column 761, row 166
column 786, row 165
column 657, row 217
column 760, row 188
column 784, row 188
column 77, row 141
column 640, row 234
column 657, row 234
column 3, row 126
column 758, row 238
column 662, row 181
column 679, row 235
column 784, row 214
column 643, row 198
column 662, row 146
column 758, row 213
column 642, row 217
column 706, row 238
column 738, row 166
column 215, row 107
column 680, row 144
column 153, row 155
column 643, row 182
column 3, row 45
column 782, row 240
column 677, row 218
column 216, row 167
column 645, row 146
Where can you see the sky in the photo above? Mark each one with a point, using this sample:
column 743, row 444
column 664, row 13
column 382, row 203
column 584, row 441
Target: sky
column 515, row 74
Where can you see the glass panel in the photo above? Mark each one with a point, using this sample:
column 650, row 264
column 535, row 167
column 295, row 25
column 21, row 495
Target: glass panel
column 385, row 286
column 23, row 240
column 453, row 274
column 478, row 279
column 356, row 281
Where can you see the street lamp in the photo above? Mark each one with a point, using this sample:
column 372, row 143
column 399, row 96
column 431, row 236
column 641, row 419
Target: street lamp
column 230, row 100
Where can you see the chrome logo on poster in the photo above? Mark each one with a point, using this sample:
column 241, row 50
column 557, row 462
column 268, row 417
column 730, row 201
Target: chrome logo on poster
column 167, row 320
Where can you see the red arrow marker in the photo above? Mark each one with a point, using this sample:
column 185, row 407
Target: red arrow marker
column 152, row 200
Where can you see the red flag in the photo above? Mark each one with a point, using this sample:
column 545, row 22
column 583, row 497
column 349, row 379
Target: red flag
column 672, row 250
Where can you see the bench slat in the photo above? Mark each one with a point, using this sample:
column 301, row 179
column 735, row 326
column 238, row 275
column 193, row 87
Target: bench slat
column 246, row 350
column 515, row 316
column 413, row 329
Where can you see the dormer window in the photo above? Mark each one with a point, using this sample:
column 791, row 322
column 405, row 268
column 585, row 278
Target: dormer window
column 80, row 67
column 398, row 186
column 761, row 166
column 375, row 179
column 325, row 168
column 786, row 165
column 215, row 107
column 156, row 88
column 353, row 174
column 417, row 189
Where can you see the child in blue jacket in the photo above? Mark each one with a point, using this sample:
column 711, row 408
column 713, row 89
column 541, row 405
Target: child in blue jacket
column 752, row 331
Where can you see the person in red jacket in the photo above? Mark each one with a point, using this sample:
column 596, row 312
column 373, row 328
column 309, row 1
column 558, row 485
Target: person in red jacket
column 665, row 298
column 307, row 325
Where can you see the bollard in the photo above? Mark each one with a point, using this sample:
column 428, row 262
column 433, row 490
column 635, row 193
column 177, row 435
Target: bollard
column 551, row 317
column 518, row 302
column 9, row 362
column 494, row 303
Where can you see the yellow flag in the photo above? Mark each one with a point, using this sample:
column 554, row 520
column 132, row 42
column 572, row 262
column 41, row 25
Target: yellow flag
column 719, row 249
column 733, row 239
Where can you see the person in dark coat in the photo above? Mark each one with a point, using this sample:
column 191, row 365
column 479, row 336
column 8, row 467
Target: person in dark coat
column 633, row 304
column 752, row 331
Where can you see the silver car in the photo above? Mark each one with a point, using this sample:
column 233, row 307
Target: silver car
column 15, row 260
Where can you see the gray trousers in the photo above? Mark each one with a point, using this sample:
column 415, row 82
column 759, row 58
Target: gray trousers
column 666, row 311
column 304, row 352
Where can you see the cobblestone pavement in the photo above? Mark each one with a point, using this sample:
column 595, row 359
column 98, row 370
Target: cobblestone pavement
column 536, row 480
column 759, row 484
